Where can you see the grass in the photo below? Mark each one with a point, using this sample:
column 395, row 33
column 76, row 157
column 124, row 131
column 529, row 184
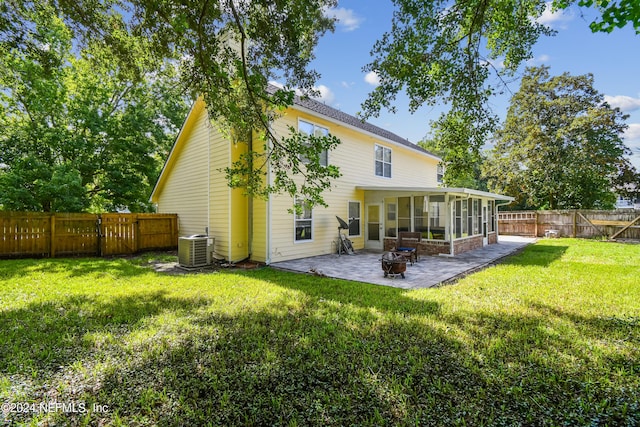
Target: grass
column 550, row 337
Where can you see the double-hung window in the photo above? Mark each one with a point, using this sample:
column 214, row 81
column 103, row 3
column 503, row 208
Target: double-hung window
column 303, row 221
column 315, row 130
column 383, row 161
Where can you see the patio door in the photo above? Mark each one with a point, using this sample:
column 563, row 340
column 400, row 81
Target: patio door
column 373, row 231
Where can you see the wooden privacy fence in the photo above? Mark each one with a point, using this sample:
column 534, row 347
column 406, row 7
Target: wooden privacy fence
column 33, row 234
column 618, row 224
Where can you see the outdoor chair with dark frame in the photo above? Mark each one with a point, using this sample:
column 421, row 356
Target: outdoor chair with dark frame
column 409, row 244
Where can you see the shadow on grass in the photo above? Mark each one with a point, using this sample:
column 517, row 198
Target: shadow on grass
column 70, row 267
column 311, row 368
column 42, row 337
column 347, row 354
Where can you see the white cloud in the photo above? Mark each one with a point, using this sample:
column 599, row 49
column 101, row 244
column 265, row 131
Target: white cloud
column 632, row 140
column 632, row 133
column 539, row 60
column 347, row 19
column 625, row 103
column 326, row 95
column 557, row 19
column 372, row 78
column 497, row 64
column 346, row 85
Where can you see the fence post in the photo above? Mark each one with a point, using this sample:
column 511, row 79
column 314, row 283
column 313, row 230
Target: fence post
column 99, row 230
column 536, row 227
column 575, row 223
column 136, row 231
column 52, row 236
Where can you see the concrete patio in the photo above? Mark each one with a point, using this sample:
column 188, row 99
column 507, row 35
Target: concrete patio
column 429, row 271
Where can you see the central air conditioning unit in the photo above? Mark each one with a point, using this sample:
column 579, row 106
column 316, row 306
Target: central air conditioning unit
column 195, row 251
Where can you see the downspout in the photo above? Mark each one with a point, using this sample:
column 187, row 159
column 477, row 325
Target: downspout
column 250, row 201
column 268, row 218
column 208, row 179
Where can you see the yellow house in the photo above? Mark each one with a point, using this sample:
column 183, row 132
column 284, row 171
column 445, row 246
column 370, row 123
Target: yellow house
column 388, row 185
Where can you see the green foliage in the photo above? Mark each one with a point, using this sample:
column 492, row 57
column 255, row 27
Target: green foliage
column 462, row 165
column 441, row 52
column 560, row 146
column 549, row 337
column 615, row 13
column 444, row 52
column 228, row 52
column 298, row 155
column 78, row 132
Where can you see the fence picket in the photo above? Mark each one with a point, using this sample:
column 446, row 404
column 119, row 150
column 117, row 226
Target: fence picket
column 25, row 234
column 573, row 223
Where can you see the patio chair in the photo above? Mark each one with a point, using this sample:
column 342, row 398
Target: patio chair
column 408, row 244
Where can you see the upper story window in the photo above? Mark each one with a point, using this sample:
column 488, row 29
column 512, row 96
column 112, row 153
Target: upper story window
column 383, row 161
column 440, row 173
column 313, row 129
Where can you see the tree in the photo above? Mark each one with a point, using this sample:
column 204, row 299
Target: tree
column 615, row 13
column 76, row 135
column 462, row 168
column 560, row 146
column 229, row 50
column 446, row 52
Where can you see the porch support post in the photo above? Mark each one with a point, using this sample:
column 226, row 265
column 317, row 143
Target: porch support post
column 451, row 221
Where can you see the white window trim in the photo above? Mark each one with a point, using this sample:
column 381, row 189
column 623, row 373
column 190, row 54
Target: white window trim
column 359, row 218
column 384, row 147
column 296, row 241
column 315, row 125
column 440, row 173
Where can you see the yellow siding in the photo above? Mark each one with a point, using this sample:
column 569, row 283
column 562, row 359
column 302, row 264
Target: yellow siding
column 259, row 243
column 355, row 157
column 194, row 186
column 239, row 224
column 219, row 192
column 186, row 192
column 259, row 218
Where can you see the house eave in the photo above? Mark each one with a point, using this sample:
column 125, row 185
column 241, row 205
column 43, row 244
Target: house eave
column 462, row 192
column 365, row 132
column 197, row 105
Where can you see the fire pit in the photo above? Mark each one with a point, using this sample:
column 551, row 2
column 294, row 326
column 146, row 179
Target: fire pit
column 393, row 264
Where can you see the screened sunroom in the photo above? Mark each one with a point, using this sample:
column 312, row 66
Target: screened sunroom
column 449, row 220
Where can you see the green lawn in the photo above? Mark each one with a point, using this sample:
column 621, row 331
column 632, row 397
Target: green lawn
column 550, row 337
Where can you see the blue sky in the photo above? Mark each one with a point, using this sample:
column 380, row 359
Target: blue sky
column 613, row 59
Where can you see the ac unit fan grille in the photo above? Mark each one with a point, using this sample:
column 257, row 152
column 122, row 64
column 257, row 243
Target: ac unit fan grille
column 192, row 252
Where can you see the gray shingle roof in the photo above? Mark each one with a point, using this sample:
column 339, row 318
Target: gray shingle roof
column 332, row 113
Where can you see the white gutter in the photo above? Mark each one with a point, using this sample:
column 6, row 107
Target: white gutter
column 209, row 179
column 463, row 192
column 267, row 258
